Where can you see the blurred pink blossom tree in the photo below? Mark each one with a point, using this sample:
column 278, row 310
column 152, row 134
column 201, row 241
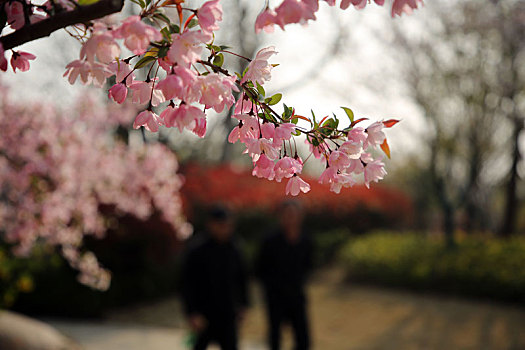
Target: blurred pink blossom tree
column 59, row 167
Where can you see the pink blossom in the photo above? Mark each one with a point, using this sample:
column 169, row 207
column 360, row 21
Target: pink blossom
column 216, row 91
column 248, row 128
column 338, row 160
column 243, row 106
column 328, row 176
column 255, row 147
column 286, row 167
column 374, row 171
column 264, row 168
column 147, row 119
column 180, row 84
column 142, row 93
column 88, row 72
column 183, row 117
column 265, row 21
column 296, row 185
column 187, row 47
column 118, row 92
column 101, row 44
column 317, row 151
column 267, row 130
column 404, row 6
column 209, row 14
column 358, row 4
column 375, row 133
column 121, row 71
column 352, row 149
column 340, row 181
column 137, row 35
column 259, row 69
column 172, row 86
column 296, row 11
column 357, row 135
column 20, row 60
column 284, row 132
column 15, row 14
column 3, row 61
column 200, row 127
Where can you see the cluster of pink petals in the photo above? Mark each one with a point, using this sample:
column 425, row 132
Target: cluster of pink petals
column 65, row 167
column 352, row 158
column 264, row 143
column 301, row 11
column 209, row 14
column 405, row 6
column 20, row 60
column 137, row 35
column 101, row 44
column 259, row 69
column 288, row 12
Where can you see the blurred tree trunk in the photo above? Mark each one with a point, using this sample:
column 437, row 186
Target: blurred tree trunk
column 512, row 27
column 508, row 226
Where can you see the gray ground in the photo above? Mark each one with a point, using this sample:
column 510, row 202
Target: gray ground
column 343, row 318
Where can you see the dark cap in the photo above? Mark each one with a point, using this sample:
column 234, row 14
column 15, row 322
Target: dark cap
column 219, row 212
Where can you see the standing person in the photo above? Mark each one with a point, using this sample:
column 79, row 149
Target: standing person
column 284, row 263
column 215, row 283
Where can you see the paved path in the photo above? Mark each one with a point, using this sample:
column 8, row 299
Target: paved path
column 343, row 318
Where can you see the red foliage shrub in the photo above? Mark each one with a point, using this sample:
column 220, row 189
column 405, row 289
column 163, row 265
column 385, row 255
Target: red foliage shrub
column 243, row 192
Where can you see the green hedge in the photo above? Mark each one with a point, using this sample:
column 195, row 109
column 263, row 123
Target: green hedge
column 491, row 268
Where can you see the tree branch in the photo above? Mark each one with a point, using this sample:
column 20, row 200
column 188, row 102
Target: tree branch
column 44, row 28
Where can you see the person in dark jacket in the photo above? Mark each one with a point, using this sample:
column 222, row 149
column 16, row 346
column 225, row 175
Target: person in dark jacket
column 215, row 284
column 284, row 263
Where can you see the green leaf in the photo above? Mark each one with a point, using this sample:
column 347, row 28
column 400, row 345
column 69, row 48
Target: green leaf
column 225, row 47
column 218, row 60
column 88, row 2
column 163, row 51
column 275, row 99
column 297, row 132
column 349, row 113
column 174, row 28
column 162, row 17
column 166, row 33
column 144, row 61
column 148, row 2
column 260, row 89
column 192, row 23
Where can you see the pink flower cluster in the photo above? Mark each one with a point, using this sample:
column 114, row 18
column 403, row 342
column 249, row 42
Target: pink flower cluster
column 184, row 79
column 66, row 167
column 301, row 11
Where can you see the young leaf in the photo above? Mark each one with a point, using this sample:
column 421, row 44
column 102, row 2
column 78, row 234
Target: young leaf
column 385, row 148
column 174, row 28
column 162, row 17
column 357, row 121
column 166, row 33
column 390, row 123
column 260, row 89
column 144, row 61
column 192, row 23
column 87, row 2
column 349, row 113
column 275, row 99
column 218, row 60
